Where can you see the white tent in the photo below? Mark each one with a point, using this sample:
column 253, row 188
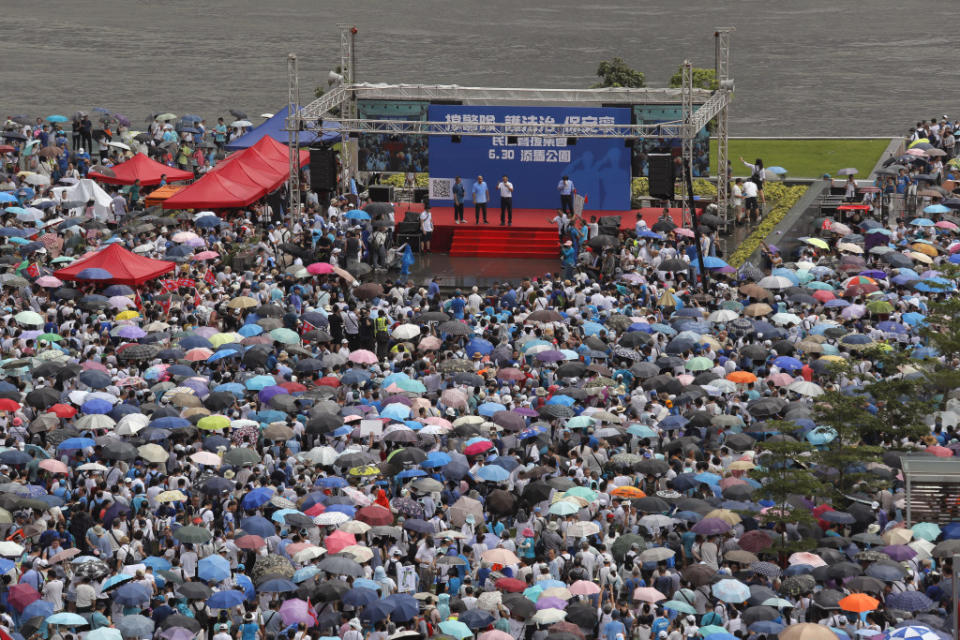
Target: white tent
column 84, row 191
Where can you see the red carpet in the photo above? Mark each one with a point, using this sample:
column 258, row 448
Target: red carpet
column 532, row 235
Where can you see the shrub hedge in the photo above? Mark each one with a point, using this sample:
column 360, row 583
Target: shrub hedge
column 783, row 198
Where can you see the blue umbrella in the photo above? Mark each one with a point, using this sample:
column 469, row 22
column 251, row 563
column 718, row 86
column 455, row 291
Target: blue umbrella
column 490, row 408
column 213, row 569
column 277, row 585
column 93, row 273
column 435, row 459
column 258, row 526
column 226, row 599
column 357, row 214
column 15, row 457
column 767, row 627
column 67, row 619
column 343, row 508
column 169, row 422
column 475, row 618
column 132, row 594
column 405, row 607
column 376, row 611
column 359, row 597
column 37, row 608
column 787, row 363
column 332, row 482
column 257, row 383
column 76, row 443
column 396, row 411
column 114, row 581
column 566, row 401
column 493, row 473
column 478, row 345
column 157, row 563
column 96, row 406
column 256, row 498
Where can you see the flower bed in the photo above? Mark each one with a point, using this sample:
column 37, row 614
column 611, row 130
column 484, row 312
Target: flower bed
column 783, row 199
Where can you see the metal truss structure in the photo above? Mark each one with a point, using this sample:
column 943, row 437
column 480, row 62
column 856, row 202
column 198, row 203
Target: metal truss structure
column 336, row 110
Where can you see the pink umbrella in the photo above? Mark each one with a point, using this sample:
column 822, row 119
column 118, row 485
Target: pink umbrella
column 805, row 557
column 296, row 611
column 320, row 268
column 680, row 231
column 648, row 594
column 48, row 281
column 338, row 540
column 685, row 379
column 90, row 364
column 495, row 635
column 362, row 356
column 946, row 224
column 438, row 421
column 584, row 588
column 205, row 255
column 454, row 398
column 730, row 482
column 53, row 466
column 429, row 343
column 854, row 311
column 781, row 379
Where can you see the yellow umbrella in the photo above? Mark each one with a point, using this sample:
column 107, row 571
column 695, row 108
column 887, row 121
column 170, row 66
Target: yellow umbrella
column 213, row 423
column 848, row 246
column 242, row 302
column 925, row 248
column 171, row 496
column 368, row 470
column 128, row 314
column 919, row 257
column 742, row 465
column 817, row 242
column 726, row 515
column 359, row 552
column 219, row 339
column 832, row 358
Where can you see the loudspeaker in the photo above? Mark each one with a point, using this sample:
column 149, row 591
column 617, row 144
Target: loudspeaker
column 421, row 195
column 660, row 169
column 609, row 225
column 323, row 170
column 456, row 139
column 381, row 193
column 571, row 142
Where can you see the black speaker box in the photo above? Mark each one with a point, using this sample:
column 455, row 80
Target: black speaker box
column 660, row 170
column 323, row 170
column 381, row 193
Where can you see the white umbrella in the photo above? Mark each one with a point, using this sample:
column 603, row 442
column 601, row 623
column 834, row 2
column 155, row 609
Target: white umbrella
column 406, row 332
column 548, row 616
column 582, row 529
column 9, row 548
column 131, row 424
column 331, row 517
column 119, row 145
column 241, row 123
column 775, row 282
column 804, row 388
column 92, row 466
column 723, row 315
column 785, row 318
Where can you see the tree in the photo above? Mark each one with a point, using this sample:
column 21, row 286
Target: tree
column 616, row 73
column 783, row 477
column 882, row 410
column 702, row 78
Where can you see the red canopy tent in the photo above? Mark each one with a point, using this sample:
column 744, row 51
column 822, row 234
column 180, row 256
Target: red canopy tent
column 142, row 168
column 244, row 177
column 125, row 266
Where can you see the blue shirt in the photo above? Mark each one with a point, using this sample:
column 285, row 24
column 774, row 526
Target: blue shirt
column 565, row 187
column 612, row 628
column 480, row 192
column 458, row 192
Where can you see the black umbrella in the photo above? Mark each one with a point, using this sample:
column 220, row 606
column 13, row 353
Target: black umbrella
column 502, row 502
column 195, row 591
column 582, row 614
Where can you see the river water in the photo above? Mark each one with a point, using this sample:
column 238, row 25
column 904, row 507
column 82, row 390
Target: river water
column 811, row 67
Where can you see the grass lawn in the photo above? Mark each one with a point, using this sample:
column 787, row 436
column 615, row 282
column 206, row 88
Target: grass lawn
column 804, row 158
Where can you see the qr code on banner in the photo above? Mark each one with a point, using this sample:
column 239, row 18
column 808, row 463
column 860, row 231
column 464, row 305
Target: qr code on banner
column 440, row 189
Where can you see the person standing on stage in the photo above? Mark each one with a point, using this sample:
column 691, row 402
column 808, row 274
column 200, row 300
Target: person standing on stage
column 506, row 200
column 567, row 190
column 459, row 195
column 481, row 193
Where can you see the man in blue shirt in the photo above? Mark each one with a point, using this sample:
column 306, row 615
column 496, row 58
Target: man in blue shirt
column 459, row 194
column 614, row 627
column 481, row 193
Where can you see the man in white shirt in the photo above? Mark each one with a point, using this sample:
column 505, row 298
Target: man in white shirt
column 426, row 228
column 506, row 200
column 736, row 199
column 750, row 193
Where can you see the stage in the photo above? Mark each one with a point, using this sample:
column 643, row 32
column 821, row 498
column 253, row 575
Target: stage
column 532, row 234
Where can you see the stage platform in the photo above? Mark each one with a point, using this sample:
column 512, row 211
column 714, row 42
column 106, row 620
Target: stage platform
column 531, row 235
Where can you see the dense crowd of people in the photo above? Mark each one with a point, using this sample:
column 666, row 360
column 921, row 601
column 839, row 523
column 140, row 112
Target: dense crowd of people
column 262, row 445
